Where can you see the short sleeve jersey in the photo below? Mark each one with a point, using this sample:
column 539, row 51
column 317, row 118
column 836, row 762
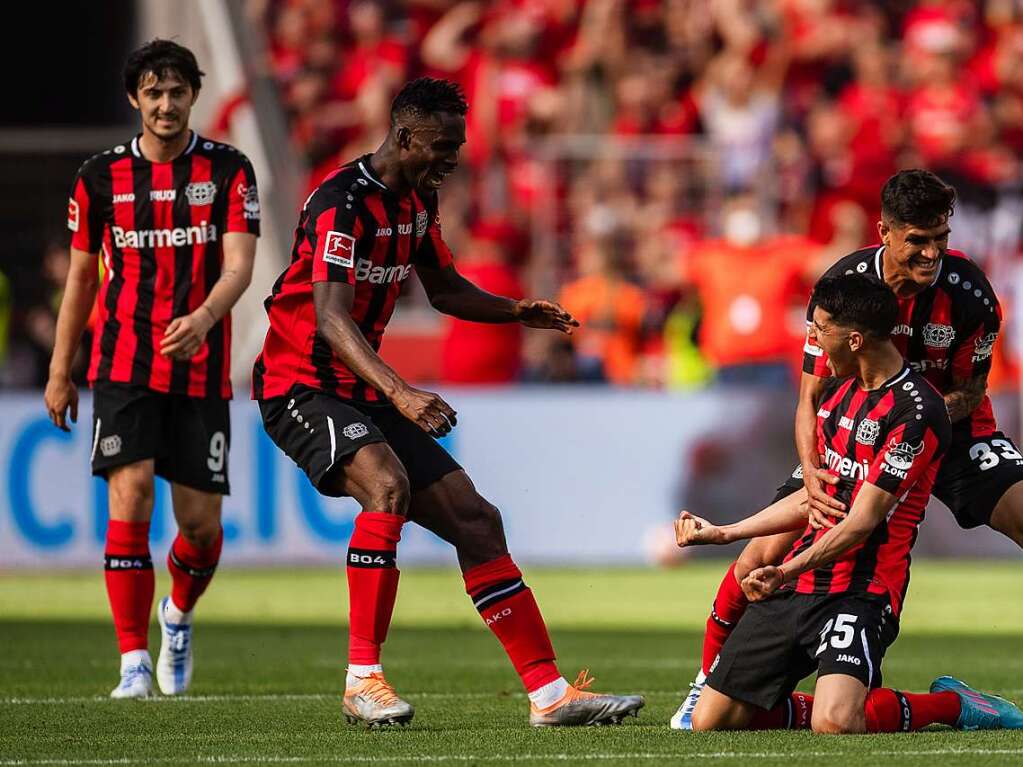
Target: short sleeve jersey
column 948, row 331
column 159, row 227
column 352, row 229
column 892, row 437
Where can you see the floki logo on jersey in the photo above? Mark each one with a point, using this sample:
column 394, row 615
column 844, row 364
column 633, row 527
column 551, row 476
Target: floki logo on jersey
column 900, row 456
column 984, row 346
column 164, row 238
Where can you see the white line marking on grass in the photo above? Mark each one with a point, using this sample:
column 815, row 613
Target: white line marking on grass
column 475, row 758
column 270, row 697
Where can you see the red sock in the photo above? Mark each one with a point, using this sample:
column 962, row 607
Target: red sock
column 130, row 582
column 508, row 608
column 894, row 711
column 729, row 605
column 793, row 713
column 191, row 570
column 372, row 583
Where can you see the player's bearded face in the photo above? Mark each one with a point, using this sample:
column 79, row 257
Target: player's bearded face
column 165, row 104
column 915, row 251
column 432, row 151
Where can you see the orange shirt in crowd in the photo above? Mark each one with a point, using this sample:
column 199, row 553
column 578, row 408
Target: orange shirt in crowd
column 752, row 298
column 610, row 312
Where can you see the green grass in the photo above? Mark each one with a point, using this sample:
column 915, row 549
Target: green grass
column 270, row 657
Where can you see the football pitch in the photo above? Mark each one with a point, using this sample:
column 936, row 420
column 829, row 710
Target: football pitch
column 269, row 648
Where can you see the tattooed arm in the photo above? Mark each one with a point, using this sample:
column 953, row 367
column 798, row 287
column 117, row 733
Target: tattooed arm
column 965, row 396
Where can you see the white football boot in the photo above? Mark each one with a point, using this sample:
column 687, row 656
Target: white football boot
column 174, row 664
column 136, row 676
column 682, row 719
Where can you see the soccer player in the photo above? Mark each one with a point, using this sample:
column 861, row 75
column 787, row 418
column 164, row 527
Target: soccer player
column 949, row 318
column 176, row 218
column 357, row 429
column 833, row 605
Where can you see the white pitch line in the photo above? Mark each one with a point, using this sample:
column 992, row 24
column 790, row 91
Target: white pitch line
column 19, row 701
column 476, row 758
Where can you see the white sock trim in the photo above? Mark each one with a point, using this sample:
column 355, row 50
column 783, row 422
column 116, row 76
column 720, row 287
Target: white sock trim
column 550, row 693
column 174, row 614
column 357, row 672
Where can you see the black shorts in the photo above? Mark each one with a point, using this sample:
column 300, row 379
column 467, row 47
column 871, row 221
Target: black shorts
column 782, row 640
column 316, row 430
column 972, row 479
column 974, row 476
column 189, row 438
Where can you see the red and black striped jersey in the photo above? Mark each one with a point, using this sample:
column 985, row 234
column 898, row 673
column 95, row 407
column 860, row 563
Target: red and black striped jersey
column 352, row 229
column 948, row 331
column 160, row 227
column 894, row 438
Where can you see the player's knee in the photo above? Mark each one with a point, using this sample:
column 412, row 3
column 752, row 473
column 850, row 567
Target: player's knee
column 131, row 499
column 200, row 532
column 837, row 720
column 391, row 492
column 480, row 528
column 704, row 720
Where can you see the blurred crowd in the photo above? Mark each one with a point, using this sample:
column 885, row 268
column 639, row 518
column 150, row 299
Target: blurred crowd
column 676, row 172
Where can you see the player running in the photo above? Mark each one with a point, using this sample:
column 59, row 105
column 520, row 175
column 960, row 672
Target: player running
column 833, row 605
column 357, row 429
column 176, row 218
column 948, row 321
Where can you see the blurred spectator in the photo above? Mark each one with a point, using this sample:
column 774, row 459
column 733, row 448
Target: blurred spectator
column 474, row 352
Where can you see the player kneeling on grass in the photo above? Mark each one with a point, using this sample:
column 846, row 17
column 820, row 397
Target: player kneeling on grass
column 358, row 429
column 833, row 605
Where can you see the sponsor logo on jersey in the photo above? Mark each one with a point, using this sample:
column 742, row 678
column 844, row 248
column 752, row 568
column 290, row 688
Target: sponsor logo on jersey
column 110, row 446
column 164, row 238
column 901, row 456
column 902, row 330
column 339, row 249
column 822, row 413
column 843, row 658
column 379, row 275
column 868, row 432
column 845, row 422
column 250, row 201
column 984, row 346
column 922, row 366
column 386, row 231
column 938, row 336
column 72, row 215
column 201, row 192
column 862, row 267
column 355, row 430
column 126, row 197
column 846, row 467
column 422, row 221
column 163, row 195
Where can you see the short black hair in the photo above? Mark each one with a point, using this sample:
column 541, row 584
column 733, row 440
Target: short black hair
column 426, row 96
column 161, row 57
column 917, row 198
column 858, row 301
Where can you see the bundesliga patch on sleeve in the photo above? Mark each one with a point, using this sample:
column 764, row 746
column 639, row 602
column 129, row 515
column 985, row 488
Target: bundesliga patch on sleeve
column 339, row 249
column 72, row 215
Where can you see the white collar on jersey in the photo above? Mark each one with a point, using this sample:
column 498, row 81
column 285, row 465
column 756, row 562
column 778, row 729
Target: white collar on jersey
column 880, row 274
column 899, row 377
column 371, row 177
column 135, row 150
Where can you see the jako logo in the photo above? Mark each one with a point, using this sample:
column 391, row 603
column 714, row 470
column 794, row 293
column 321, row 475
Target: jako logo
column 498, row 616
column 164, row 238
column 378, row 275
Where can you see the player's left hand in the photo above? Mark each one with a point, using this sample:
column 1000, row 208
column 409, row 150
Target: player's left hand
column 535, row 313
column 185, row 335
column 762, row 582
column 691, row 530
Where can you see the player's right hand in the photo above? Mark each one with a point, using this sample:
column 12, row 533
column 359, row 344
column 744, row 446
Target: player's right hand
column 426, row 409
column 691, row 530
column 762, row 582
column 823, row 510
column 61, row 394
